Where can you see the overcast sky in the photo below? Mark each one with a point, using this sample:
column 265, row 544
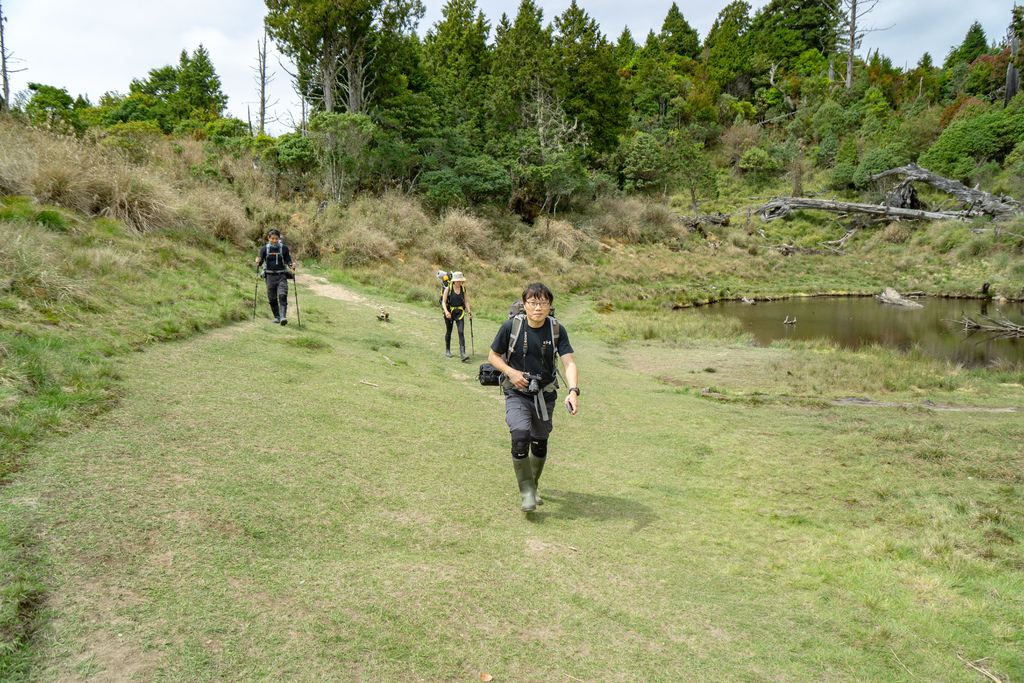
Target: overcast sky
column 90, row 47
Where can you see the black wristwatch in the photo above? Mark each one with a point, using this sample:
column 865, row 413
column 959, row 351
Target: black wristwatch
column 576, row 389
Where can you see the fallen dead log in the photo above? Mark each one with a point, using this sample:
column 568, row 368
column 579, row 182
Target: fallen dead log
column 783, row 206
column 978, row 201
column 1001, row 329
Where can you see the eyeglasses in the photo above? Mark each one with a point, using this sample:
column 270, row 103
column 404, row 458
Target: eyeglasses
column 533, row 303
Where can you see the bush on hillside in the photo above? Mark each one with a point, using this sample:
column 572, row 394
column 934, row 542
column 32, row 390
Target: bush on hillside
column 969, row 142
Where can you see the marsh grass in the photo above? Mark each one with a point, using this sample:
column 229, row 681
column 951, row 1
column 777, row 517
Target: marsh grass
column 369, row 535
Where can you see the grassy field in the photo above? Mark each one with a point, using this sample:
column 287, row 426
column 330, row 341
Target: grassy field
column 337, row 502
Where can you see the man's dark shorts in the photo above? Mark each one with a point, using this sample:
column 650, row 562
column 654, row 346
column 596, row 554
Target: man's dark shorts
column 521, row 414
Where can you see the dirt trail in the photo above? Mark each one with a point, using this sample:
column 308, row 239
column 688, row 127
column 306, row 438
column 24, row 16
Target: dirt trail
column 322, row 287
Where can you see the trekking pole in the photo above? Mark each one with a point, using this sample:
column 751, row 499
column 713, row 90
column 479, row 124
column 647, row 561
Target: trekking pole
column 472, row 341
column 298, row 315
column 255, row 293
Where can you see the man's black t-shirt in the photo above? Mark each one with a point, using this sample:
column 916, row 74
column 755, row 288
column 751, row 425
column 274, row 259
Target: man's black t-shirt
column 538, row 358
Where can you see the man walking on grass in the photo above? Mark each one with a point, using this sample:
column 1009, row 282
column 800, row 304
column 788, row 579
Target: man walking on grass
column 525, row 353
column 278, row 259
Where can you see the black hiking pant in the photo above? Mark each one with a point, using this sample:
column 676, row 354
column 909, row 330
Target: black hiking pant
column 277, row 290
column 461, row 324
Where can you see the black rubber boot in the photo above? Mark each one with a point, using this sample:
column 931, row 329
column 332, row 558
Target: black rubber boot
column 277, row 314
column 448, row 351
column 462, row 350
column 284, row 314
column 527, row 485
column 537, row 465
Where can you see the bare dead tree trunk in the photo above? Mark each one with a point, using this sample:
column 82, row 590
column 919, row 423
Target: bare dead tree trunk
column 262, row 79
column 853, row 44
column 771, row 80
column 4, row 103
column 978, row 201
column 1012, row 73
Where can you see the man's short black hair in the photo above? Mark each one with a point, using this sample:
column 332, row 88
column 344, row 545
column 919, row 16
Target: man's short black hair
column 538, row 291
column 274, row 231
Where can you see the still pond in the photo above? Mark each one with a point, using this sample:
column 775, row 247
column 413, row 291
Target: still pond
column 853, row 322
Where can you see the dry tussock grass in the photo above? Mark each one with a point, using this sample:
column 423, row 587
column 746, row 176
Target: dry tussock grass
column 104, row 260
column 560, row 236
column 362, row 245
column 512, row 263
column 896, row 233
column 619, row 219
column 76, row 175
column 394, row 214
column 141, row 200
column 32, row 263
column 221, row 212
column 443, row 254
column 466, row 231
column 307, row 237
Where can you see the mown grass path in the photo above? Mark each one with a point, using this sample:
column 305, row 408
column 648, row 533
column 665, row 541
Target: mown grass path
column 337, row 503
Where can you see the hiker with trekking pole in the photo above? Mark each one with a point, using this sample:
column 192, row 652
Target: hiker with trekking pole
column 277, row 260
column 455, row 305
column 525, row 352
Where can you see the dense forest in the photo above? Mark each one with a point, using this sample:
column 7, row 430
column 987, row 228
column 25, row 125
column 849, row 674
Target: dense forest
column 536, row 115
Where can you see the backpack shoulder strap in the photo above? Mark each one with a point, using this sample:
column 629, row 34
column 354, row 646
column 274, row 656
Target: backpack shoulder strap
column 517, row 327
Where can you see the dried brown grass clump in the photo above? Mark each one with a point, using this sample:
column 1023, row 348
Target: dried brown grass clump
column 619, row 219
column 466, row 231
column 560, row 236
column 140, row 200
column 394, row 214
column 76, row 175
column 307, row 237
column 362, row 245
column 222, row 213
column 444, row 254
column 896, row 233
column 32, row 263
column 512, row 263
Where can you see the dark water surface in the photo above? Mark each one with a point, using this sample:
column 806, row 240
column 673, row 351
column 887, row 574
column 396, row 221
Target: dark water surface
column 853, row 322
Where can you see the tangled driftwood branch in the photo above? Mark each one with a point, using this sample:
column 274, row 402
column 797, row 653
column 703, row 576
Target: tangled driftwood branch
column 1001, row 329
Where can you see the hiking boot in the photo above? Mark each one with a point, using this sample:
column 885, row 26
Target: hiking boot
column 537, row 465
column 277, row 314
column 284, row 314
column 527, row 485
column 462, row 350
column 448, row 352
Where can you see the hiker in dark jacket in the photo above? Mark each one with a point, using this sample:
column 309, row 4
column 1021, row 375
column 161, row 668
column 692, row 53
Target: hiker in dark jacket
column 278, row 259
column 528, row 362
column 456, row 308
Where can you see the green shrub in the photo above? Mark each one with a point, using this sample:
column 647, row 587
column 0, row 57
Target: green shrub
column 875, row 161
column 759, row 164
column 965, row 143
